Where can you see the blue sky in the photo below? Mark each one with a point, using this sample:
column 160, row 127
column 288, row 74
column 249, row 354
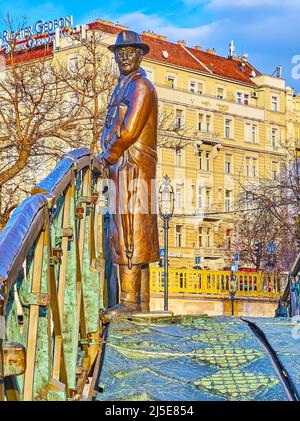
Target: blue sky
column 268, row 30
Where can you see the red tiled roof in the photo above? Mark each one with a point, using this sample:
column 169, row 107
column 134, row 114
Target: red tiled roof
column 110, row 29
column 42, row 51
column 180, row 56
column 176, row 54
column 225, row 67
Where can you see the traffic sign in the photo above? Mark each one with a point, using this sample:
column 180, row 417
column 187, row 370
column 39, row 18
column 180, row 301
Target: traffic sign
column 272, row 247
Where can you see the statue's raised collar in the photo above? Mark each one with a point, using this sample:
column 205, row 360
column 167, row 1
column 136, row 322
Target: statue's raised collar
column 138, row 72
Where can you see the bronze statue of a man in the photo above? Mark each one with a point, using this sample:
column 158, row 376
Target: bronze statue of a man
column 129, row 142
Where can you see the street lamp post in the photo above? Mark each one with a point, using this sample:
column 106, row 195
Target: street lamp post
column 166, row 209
column 232, row 290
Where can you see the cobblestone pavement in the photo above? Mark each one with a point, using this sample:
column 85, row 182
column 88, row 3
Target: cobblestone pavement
column 190, row 358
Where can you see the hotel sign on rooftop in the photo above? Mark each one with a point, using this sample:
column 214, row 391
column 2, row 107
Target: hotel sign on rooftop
column 29, row 37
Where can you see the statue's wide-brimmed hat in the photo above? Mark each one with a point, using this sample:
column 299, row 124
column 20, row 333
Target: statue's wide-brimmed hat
column 129, row 39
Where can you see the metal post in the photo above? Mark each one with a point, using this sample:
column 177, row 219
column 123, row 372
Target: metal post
column 232, row 291
column 166, row 278
column 2, row 397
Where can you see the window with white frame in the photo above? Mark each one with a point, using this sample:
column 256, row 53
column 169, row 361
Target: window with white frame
column 207, row 161
column 208, row 123
column 200, row 121
column 204, row 122
column 274, row 134
column 199, row 153
column 179, row 119
column 208, row 237
column 178, row 196
column 228, row 128
column 254, row 167
column 275, row 170
column 171, row 80
column 199, row 197
column 227, row 200
column 251, row 167
column 179, row 157
column 178, row 236
column 220, row 198
column 220, row 92
column 247, row 132
column 200, row 237
column 208, row 198
column 274, row 103
column 251, row 132
column 200, row 88
column 228, row 166
column 247, row 167
column 193, row 86
column 254, row 133
column 242, row 98
column 196, row 87
column 73, row 63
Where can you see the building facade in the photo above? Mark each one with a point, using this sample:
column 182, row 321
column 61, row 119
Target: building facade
column 233, row 124
column 224, row 124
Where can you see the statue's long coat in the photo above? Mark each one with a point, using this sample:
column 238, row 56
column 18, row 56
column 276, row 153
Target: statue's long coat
column 129, row 142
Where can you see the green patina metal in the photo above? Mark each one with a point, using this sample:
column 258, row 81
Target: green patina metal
column 43, row 347
column 70, row 336
column 90, row 275
column 78, row 287
column 13, row 331
column 90, row 279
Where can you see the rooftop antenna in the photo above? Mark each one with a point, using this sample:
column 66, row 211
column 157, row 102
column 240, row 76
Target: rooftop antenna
column 83, row 32
column 245, row 58
column 57, row 39
column 278, row 72
column 231, row 49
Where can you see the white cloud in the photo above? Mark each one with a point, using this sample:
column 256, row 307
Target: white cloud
column 242, row 4
column 270, row 39
column 140, row 22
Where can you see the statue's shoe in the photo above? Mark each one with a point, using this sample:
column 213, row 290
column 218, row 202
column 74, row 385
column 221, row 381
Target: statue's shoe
column 123, row 308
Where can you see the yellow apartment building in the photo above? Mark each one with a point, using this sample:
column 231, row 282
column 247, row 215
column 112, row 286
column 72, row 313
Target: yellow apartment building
column 233, row 127
column 229, row 124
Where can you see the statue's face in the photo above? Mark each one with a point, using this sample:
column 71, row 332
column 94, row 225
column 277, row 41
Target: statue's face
column 128, row 59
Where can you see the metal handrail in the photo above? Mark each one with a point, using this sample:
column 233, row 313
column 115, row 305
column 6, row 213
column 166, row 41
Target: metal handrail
column 289, row 303
column 52, row 274
column 190, row 281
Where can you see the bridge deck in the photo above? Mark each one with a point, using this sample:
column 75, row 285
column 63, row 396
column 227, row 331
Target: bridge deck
column 191, row 358
column 283, row 334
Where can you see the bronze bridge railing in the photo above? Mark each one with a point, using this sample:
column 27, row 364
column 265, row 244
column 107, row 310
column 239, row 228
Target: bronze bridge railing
column 52, row 285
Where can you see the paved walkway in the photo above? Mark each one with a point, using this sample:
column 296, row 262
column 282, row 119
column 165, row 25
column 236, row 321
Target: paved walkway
column 187, row 358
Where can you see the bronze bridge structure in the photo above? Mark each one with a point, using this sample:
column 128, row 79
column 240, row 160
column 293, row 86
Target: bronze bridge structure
column 53, row 325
